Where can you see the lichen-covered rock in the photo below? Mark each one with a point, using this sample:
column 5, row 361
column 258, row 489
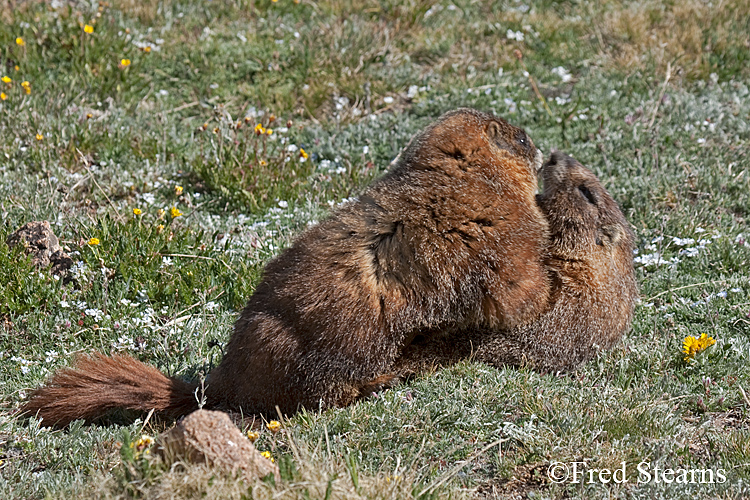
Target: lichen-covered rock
column 38, row 241
column 211, row 437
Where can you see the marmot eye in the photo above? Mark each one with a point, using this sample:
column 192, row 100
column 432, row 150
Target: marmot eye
column 587, row 194
column 522, row 140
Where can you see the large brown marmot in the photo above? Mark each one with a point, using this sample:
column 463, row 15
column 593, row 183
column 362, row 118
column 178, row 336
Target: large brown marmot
column 593, row 294
column 450, row 239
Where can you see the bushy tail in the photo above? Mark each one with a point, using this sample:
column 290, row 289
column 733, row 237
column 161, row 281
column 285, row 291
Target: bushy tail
column 99, row 383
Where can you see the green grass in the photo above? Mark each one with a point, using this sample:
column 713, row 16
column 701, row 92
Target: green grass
column 349, row 85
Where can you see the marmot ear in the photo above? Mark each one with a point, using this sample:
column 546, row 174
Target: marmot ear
column 610, row 234
column 496, row 134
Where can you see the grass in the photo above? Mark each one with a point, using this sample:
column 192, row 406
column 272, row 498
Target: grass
column 653, row 96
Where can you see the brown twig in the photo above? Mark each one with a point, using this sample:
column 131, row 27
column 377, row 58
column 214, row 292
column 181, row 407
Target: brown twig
column 539, row 95
column 661, row 95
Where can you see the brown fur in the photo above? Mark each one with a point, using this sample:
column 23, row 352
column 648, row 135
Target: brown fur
column 594, row 289
column 451, row 238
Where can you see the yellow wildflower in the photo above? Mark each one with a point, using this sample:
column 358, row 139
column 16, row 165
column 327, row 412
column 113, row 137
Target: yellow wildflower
column 178, row 190
column 147, row 49
column 143, row 442
column 3, row 96
column 160, row 228
column 269, row 131
column 94, row 241
column 141, row 446
column 274, row 426
column 253, row 435
column 26, row 86
column 691, row 345
column 263, row 163
column 16, row 67
column 137, row 211
column 39, row 137
column 174, row 212
column 267, row 455
column 124, row 63
column 88, row 29
column 89, row 116
column 20, row 42
column 259, row 129
column 6, row 79
column 160, row 213
column 303, row 153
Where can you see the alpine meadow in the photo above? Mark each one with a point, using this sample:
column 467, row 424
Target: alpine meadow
column 176, row 146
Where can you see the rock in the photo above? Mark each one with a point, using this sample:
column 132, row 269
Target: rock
column 211, row 437
column 38, row 241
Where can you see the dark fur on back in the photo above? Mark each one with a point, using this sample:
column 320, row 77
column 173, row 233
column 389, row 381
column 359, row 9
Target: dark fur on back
column 450, row 239
column 594, row 290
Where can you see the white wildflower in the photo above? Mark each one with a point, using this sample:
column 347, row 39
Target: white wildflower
column 563, row 73
column 514, row 35
column 681, row 242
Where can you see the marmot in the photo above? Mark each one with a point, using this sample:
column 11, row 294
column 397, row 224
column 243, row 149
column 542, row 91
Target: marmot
column 450, row 238
column 594, row 290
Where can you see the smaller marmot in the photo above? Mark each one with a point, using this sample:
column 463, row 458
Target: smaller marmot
column 594, row 291
column 450, row 238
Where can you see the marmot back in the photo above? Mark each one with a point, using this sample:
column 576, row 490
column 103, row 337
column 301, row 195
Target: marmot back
column 594, row 291
column 451, row 238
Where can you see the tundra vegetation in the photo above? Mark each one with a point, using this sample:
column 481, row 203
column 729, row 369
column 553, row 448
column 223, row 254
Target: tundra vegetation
column 177, row 146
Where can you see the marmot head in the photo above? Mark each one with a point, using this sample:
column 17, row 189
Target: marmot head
column 469, row 142
column 583, row 218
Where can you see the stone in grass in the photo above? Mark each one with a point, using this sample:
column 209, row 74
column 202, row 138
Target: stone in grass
column 211, row 437
column 38, row 241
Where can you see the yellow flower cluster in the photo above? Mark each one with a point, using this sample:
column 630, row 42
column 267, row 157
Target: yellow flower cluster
column 259, row 130
column 174, row 212
column 143, row 442
column 20, row 42
column 274, row 426
column 8, row 80
column 253, row 436
column 94, row 241
column 142, row 445
column 88, row 29
column 267, row 455
column 691, row 345
column 137, row 211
